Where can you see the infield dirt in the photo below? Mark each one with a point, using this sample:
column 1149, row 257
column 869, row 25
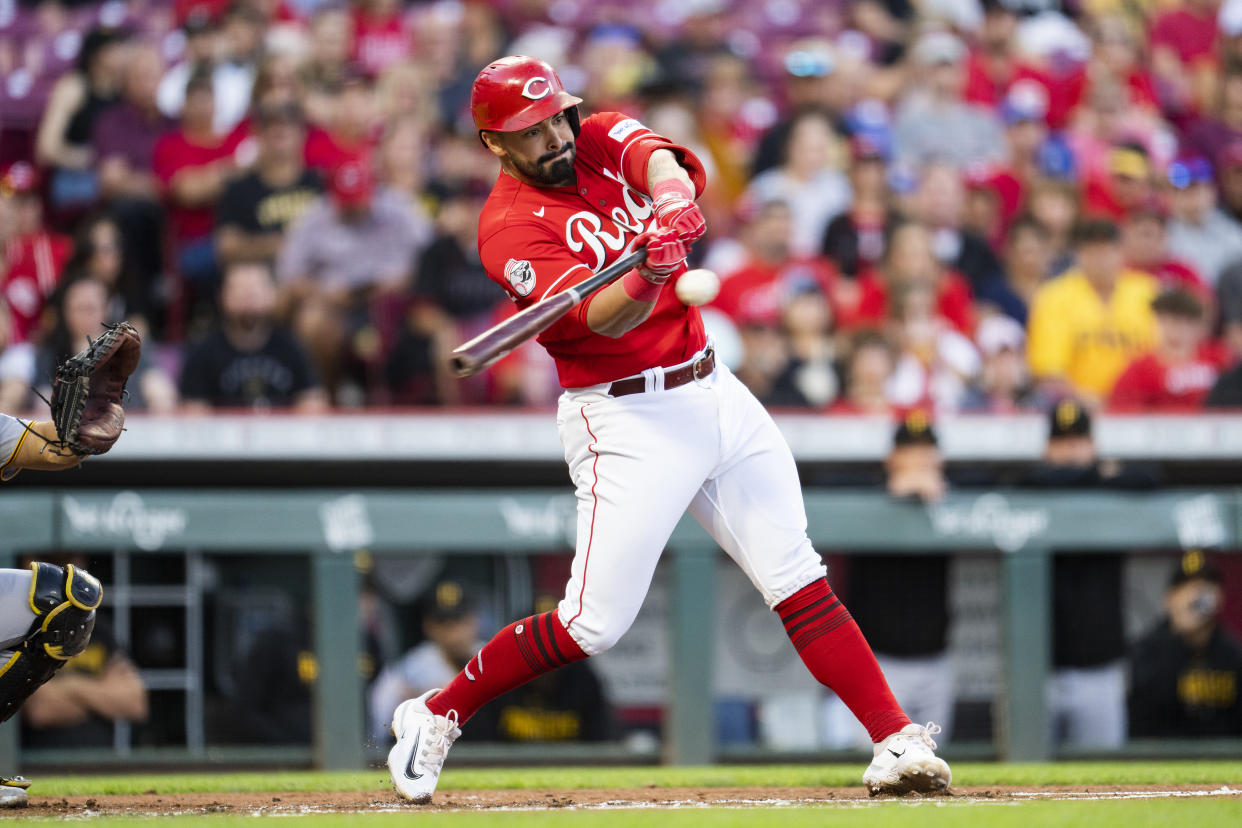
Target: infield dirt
column 153, row 803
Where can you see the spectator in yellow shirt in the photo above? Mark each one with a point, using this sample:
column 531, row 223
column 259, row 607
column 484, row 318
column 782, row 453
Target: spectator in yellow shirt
column 1089, row 323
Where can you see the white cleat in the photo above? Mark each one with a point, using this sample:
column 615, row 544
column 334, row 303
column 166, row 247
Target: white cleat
column 13, row 792
column 906, row 762
column 423, row 740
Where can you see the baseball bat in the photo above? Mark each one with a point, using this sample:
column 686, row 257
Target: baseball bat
column 496, row 342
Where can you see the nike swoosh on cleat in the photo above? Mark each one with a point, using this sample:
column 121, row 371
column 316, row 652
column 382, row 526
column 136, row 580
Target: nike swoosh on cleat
column 409, row 771
column 539, row 213
column 896, row 754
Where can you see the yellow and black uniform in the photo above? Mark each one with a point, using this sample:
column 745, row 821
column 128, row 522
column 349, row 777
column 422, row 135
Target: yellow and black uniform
column 255, row 207
column 1180, row 692
column 1077, row 334
column 12, row 434
column 565, row 705
column 95, row 731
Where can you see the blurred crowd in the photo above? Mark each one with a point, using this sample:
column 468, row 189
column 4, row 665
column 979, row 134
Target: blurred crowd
column 949, row 205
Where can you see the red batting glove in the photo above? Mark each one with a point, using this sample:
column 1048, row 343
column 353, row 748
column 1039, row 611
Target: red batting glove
column 675, row 208
column 665, row 253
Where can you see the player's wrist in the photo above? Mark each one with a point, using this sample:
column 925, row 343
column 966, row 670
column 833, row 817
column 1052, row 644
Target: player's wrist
column 643, row 286
column 671, row 190
column 673, row 204
column 655, row 275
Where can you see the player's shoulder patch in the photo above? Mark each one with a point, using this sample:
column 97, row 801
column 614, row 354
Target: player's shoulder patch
column 624, row 129
column 520, row 275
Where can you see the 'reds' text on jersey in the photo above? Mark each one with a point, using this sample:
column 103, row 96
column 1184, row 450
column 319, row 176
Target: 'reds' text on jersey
column 538, row 241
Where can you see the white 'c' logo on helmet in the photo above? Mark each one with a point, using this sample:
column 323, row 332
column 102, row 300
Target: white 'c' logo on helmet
column 531, row 89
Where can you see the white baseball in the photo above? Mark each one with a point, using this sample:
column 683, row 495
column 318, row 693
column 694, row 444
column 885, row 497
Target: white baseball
column 698, row 286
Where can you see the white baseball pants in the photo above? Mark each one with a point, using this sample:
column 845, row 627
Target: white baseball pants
column 639, row 461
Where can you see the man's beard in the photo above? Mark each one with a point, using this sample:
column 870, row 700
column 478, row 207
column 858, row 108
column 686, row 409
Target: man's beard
column 248, row 324
column 548, row 172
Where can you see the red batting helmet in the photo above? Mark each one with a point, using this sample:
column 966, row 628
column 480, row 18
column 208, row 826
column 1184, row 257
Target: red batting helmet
column 517, row 92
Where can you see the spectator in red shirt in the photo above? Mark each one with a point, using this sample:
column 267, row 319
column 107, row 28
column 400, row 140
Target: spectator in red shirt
column 993, row 68
column 1178, row 374
column 193, row 164
column 350, row 132
column 909, row 259
column 771, row 274
column 380, row 35
column 1144, row 243
column 1183, row 41
column 31, row 260
column 1116, row 59
column 1124, row 185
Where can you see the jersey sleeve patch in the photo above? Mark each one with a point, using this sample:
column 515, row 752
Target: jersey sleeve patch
column 520, row 275
column 624, row 129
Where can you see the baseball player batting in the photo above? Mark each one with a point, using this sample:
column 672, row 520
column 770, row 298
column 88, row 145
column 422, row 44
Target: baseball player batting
column 651, row 423
column 47, row 612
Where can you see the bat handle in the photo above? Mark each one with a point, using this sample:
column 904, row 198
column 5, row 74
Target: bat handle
column 496, row 342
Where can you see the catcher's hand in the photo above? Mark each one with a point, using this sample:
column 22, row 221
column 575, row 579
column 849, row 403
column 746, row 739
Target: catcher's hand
column 89, row 389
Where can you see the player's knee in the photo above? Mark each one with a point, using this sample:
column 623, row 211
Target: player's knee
column 65, row 600
column 598, row 638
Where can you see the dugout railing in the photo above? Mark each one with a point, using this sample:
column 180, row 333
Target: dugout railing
column 1024, row 528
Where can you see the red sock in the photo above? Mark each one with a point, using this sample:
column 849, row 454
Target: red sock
column 834, row 650
column 520, row 652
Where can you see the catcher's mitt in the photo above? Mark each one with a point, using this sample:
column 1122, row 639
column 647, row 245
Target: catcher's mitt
column 89, row 389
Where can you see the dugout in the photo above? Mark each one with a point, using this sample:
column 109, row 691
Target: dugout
column 332, row 526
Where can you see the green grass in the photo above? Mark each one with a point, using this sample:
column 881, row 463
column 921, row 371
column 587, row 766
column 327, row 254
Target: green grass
column 1058, row 773
column 1110, row 814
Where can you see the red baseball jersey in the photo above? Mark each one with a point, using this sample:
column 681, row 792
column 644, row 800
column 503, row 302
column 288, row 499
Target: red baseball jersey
column 35, row 265
column 175, row 153
column 1151, row 385
column 538, row 241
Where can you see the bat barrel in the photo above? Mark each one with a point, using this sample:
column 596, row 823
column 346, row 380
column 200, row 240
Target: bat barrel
column 464, row 365
column 467, row 365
